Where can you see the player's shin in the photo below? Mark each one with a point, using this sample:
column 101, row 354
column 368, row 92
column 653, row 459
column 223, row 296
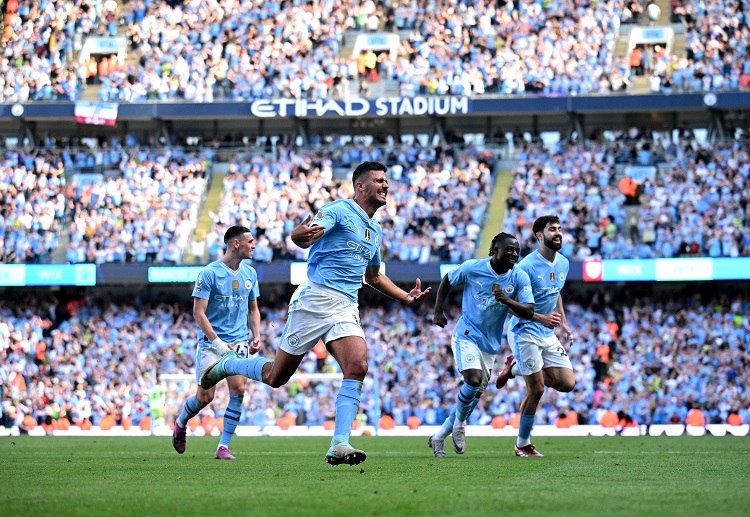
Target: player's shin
column 251, row 367
column 347, row 405
column 231, row 418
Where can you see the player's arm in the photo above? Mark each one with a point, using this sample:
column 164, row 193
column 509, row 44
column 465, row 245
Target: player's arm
column 567, row 334
column 439, row 318
column 199, row 313
column 305, row 236
column 385, row 285
column 253, row 316
column 522, row 310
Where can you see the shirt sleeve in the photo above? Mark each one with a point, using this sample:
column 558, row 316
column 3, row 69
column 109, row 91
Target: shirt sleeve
column 326, row 217
column 203, row 285
column 523, row 285
column 458, row 276
column 255, row 291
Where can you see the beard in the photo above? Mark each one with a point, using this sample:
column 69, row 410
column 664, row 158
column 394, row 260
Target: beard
column 552, row 244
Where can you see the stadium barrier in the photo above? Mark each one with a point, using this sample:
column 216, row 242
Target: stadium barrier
column 404, row 431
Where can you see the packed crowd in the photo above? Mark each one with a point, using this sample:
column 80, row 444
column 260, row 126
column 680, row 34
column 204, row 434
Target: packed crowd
column 146, row 213
column 650, row 359
column 421, row 222
column 696, row 203
column 202, row 51
column 717, row 35
column 559, row 47
column 40, row 42
column 33, row 205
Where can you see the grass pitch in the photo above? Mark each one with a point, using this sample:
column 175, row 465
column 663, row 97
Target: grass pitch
column 287, row 477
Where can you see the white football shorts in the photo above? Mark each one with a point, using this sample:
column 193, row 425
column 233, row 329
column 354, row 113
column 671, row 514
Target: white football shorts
column 207, row 355
column 318, row 312
column 533, row 353
column 468, row 356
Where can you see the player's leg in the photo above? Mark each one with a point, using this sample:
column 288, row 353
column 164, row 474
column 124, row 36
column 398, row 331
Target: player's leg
column 351, row 354
column 529, row 362
column 232, row 414
column 558, row 371
column 559, row 378
column 192, row 406
column 474, row 365
column 466, row 400
column 529, row 404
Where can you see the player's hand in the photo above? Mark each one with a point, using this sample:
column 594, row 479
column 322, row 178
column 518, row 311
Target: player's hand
column 416, row 295
column 305, row 236
column 550, row 320
column 500, row 295
column 221, row 345
column 439, row 318
column 254, row 346
column 568, row 337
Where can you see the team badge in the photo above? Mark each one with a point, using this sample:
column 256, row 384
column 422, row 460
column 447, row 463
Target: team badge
column 509, row 288
column 235, row 285
column 561, row 276
column 248, row 284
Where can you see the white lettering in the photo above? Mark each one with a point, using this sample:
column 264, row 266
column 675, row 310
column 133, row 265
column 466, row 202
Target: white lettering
column 357, row 107
column 263, row 109
column 406, row 107
column 381, row 108
column 459, row 104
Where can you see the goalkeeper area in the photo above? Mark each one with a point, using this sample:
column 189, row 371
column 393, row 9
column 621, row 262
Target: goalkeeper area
column 288, row 477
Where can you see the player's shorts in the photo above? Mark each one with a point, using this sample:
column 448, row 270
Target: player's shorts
column 207, row 355
column 318, row 312
column 468, row 356
column 533, row 353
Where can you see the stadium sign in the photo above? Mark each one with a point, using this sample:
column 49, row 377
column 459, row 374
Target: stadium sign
column 358, row 107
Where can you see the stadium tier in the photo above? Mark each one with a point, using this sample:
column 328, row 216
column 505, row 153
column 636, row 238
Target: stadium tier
column 651, row 358
column 133, row 133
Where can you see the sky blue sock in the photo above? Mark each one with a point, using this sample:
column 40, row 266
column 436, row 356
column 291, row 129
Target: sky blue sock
column 527, row 423
column 447, row 427
column 191, row 408
column 347, row 405
column 465, row 399
column 231, row 418
column 252, row 367
column 474, row 404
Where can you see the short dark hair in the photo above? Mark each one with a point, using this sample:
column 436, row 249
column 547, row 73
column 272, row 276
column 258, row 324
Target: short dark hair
column 541, row 223
column 365, row 167
column 234, row 231
column 501, row 237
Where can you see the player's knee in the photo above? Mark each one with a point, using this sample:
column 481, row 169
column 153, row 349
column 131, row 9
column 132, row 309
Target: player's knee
column 535, row 391
column 355, row 369
column 473, row 378
column 237, row 390
column 205, row 398
column 567, row 385
column 277, row 381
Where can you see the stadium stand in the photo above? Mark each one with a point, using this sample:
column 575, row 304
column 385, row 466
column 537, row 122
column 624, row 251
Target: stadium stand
column 652, row 359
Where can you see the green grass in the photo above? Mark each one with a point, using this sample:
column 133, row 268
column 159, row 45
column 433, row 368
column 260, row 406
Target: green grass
column 287, row 476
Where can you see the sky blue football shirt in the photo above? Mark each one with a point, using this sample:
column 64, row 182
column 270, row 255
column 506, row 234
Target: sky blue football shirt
column 350, row 244
column 228, row 293
column 547, row 280
column 482, row 317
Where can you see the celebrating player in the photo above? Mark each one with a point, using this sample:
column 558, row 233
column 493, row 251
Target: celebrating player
column 344, row 241
column 224, row 302
column 538, row 354
column 491, row 287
